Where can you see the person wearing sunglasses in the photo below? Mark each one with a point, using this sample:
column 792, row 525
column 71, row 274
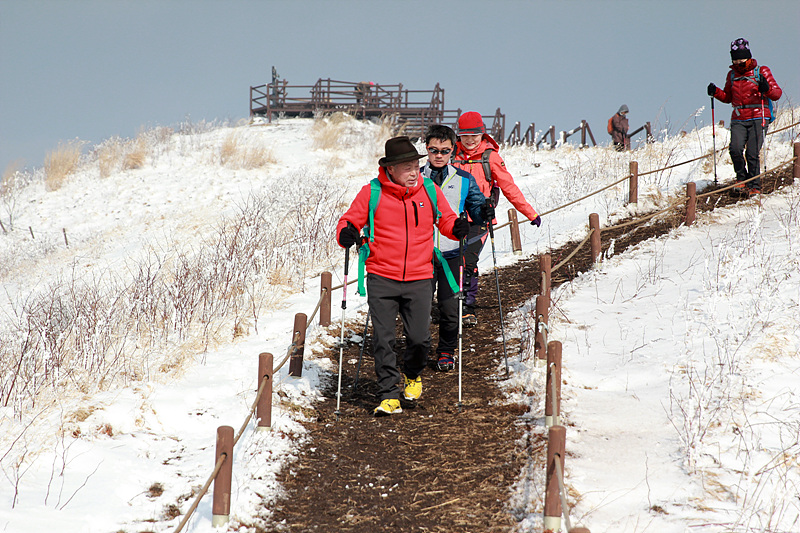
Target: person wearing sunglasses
column 463, row 195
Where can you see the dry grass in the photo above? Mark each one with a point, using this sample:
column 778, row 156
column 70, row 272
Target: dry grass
column 136, row 154
column 60, row 163
column 235, row 153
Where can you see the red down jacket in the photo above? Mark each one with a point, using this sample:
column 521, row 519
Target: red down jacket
column 741, row 90
column 471, row 162
column 403, row 245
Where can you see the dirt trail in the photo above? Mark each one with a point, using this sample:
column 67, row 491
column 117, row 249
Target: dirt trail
column 435, row 467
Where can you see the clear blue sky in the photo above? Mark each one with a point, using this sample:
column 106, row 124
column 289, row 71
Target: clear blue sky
column 91, row 69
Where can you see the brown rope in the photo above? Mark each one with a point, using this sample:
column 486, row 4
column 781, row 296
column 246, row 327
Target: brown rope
column 575, row 251
column 202, row 492
column 252, row 410
column 747, row 180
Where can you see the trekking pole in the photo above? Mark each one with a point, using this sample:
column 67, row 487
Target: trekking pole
column 714, row 139
column 460, row 309
column 341, row 337
column 499, row 302
column 361, row 355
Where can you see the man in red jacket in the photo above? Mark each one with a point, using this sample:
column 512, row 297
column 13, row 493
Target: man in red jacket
column 400, row 265
column 750, row 88
column 472, row 145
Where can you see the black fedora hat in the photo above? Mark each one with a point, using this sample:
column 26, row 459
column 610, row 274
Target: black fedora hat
column 399, row 150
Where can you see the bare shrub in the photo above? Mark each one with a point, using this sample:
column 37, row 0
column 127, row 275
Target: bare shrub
column 60, row 163
column 92, row 334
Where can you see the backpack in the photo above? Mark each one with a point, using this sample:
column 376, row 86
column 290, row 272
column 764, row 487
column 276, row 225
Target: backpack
column 755, row 78
column 487, row 172
column 369, row 234
column 610, row 126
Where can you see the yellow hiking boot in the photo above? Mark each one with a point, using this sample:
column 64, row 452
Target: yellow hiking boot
column 413, row 388
column 388, row 407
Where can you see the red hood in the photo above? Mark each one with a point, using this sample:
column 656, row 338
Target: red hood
column 486, row 143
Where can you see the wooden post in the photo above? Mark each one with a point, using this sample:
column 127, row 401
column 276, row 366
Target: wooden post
column 298, row 345
column 691, row 202
column 221, row 506
column 516, row 241
column 552, row 132
column 326, row 282
column 552, row 405
column 542, row 318
column 583, row 133
column 545, row 268
column 556, row 443
column 796, row 173
column 594, row 224
column 633, row 183
column 264, row 405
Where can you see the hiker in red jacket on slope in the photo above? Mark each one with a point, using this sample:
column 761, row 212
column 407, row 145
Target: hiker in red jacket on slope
column 471, row 155
column 400, row 264
column 751, row 89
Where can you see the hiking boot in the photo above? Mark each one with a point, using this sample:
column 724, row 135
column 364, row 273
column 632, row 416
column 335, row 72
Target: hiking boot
column 740, row 189
column 752, row 191
column 468, row 319
column 446, row 362
column 413, row 388
column 388, row 407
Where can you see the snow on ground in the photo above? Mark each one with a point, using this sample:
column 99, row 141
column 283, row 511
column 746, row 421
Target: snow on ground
column 680, row 357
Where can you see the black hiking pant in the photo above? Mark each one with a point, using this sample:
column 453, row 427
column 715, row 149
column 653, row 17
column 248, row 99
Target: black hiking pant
column 448, row 305
column 412, row 300
column 747, row 136
column 472, row 253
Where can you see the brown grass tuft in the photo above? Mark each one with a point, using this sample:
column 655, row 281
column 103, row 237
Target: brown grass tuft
column 60, row 163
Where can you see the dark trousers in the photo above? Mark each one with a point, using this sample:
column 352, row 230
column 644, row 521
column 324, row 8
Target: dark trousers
column 472, row 252
column 747, row 136
column 448, row 305
column 412, row 300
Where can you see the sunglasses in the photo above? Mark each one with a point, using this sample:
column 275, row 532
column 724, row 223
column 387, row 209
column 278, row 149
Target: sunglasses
column 437, row 151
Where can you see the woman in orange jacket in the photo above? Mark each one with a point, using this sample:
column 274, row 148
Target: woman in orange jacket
column 470, row 155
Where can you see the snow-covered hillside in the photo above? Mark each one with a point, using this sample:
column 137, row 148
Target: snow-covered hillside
column 681, row 357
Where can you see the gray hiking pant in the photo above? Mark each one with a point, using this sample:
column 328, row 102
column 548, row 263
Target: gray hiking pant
column 412, row 300
column 747, row 136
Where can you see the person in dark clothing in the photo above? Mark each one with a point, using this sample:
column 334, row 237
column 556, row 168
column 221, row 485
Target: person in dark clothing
column 463, row 194
column 750, row 88
column 619, row 129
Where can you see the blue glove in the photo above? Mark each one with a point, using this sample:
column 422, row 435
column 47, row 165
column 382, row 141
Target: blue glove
column 537, row 221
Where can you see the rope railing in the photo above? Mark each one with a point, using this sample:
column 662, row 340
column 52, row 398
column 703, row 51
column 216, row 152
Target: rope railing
column 562, row 491
column 575, row 251
column 319, row 303
column 773, row 169
column 202, row 493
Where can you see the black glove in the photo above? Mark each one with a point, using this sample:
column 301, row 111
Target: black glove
column 348, row 236
column 712, row 89
column 763, row 86
column 487, row 211
column 461, row 228
column 537, row 221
